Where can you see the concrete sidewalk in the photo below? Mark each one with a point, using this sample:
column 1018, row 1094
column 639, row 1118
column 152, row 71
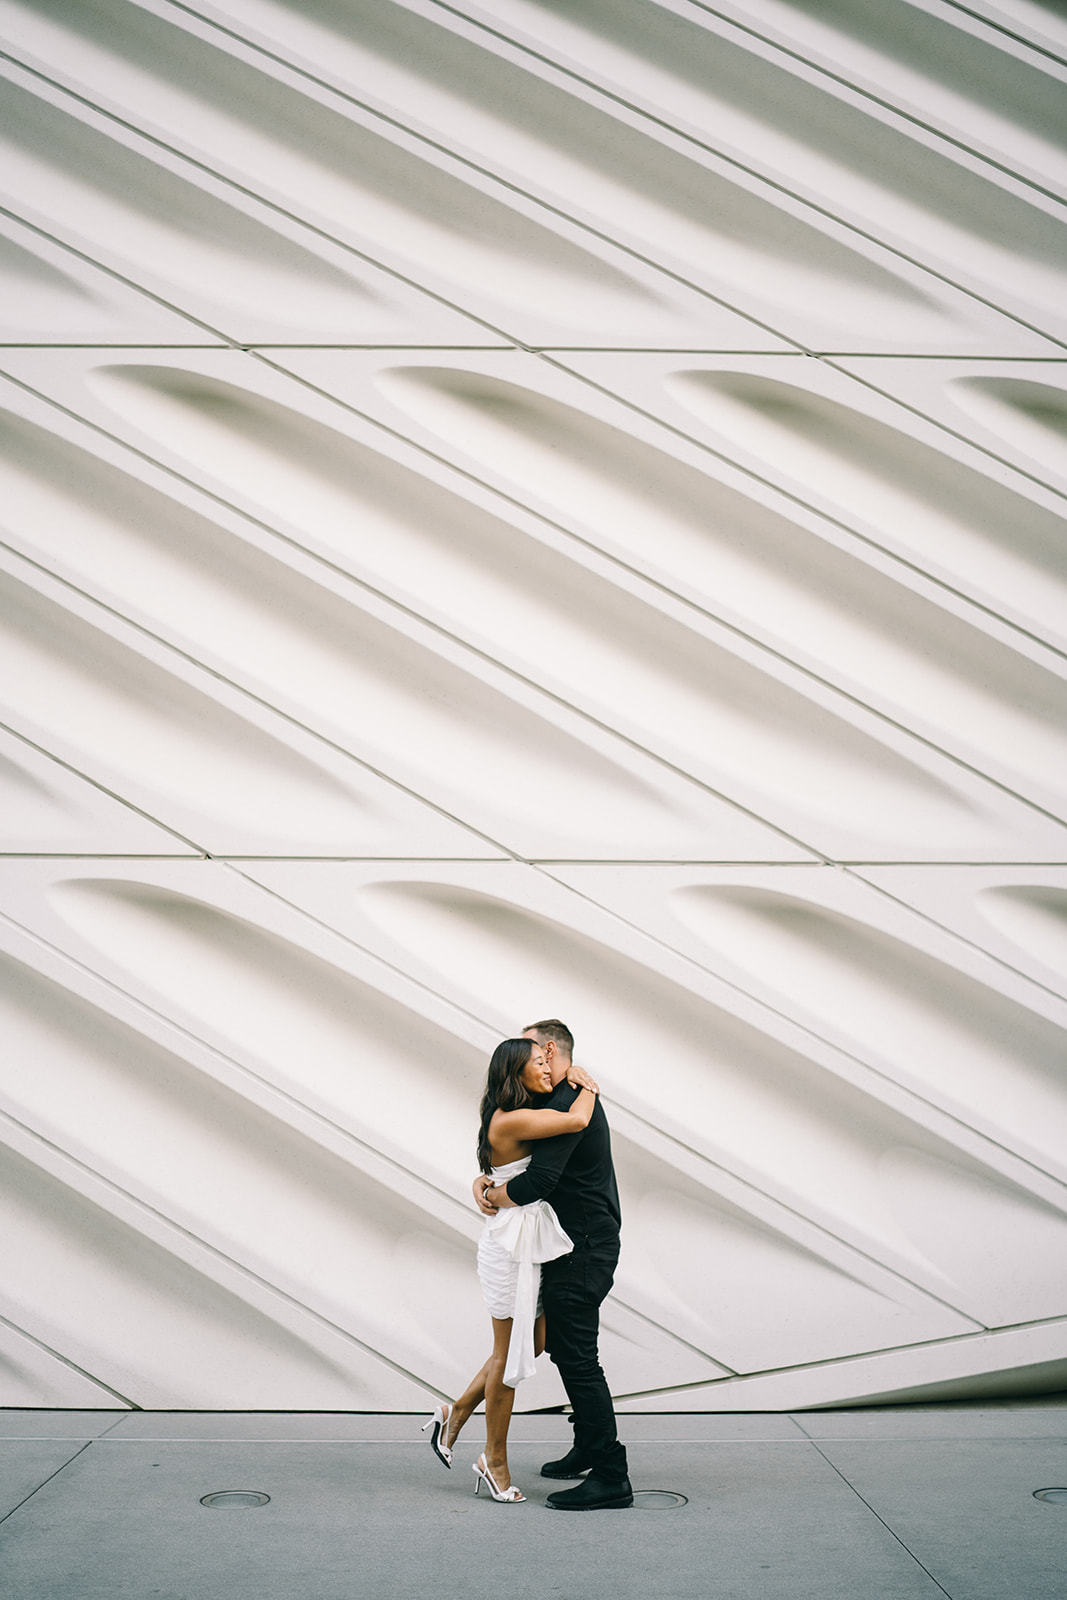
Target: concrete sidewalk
column 912, row 1503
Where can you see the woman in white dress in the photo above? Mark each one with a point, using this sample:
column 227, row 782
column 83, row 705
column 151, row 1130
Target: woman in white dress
column 512, row 1246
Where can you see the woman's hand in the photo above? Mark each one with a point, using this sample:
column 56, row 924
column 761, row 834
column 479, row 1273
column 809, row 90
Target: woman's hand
column 578, row 1078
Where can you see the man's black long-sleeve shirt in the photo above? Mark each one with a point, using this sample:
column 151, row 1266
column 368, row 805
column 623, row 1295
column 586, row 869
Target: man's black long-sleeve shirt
column 574, row 1171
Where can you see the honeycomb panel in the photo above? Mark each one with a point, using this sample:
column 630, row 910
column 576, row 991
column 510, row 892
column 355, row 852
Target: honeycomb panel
column 520, row 508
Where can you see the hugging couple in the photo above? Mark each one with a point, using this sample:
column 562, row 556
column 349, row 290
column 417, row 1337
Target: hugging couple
column 544, row 1269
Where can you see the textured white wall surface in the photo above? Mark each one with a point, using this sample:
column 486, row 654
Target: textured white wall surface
column 515, row 508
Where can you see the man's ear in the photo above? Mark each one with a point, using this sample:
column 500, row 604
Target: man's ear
column 548, row 1049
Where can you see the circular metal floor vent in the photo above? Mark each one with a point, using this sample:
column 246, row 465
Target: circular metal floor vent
column 1055, row 1497
column 234, row 1497
column 658, row 1500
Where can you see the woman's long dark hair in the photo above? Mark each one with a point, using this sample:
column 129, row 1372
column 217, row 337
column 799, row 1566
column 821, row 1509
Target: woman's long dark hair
column 504, row 1090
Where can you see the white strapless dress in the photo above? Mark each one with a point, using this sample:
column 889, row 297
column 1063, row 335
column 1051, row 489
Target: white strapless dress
column 510, row 1252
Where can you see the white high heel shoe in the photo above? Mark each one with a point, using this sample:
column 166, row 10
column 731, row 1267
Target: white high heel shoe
column 439, row 1423
column 483, row 1475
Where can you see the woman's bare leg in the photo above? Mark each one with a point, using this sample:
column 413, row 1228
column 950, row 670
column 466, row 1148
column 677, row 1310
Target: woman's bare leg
column 464, row 1408
column 473, row 1395
column 499, row 1400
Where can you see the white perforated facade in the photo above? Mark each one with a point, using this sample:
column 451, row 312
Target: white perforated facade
column 516, row 508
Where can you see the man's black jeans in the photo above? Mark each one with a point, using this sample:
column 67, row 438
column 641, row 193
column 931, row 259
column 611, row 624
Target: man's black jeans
column 572, row 1288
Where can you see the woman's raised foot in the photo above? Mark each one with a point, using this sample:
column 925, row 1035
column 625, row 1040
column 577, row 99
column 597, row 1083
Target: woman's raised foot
column 440, row 1423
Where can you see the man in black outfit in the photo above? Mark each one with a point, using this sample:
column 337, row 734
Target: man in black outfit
column 575, row 1172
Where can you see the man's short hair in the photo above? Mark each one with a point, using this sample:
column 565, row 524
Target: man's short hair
column 553, row 1028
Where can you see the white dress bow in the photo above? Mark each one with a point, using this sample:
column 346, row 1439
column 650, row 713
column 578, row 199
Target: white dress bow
column 530, row 1234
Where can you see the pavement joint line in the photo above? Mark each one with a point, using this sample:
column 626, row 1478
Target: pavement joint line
column 51, row 1476
column 34, row 1438
column 850, row 1439
column 892, row 1532
column 116, row 1424
column 421, row 1443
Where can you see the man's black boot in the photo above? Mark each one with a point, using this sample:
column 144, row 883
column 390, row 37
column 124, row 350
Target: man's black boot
column 593, row 1494
column 572, row 1465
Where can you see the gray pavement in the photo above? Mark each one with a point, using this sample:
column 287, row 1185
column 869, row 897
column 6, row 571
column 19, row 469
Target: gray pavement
column 908, row 1503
